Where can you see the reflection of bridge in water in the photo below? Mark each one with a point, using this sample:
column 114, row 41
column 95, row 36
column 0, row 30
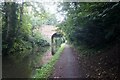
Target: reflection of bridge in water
column 56, row 41
column 47, row 31
column 50, row 34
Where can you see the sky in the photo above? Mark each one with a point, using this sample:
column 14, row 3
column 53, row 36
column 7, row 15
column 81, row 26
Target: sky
column 51, row 7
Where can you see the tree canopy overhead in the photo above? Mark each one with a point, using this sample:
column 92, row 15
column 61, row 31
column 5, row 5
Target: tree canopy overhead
column 92, row 25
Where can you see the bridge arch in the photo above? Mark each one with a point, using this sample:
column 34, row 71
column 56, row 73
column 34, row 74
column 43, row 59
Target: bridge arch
column 56, row 40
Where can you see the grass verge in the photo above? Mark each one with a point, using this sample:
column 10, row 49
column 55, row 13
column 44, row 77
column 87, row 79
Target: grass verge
column 46, row 70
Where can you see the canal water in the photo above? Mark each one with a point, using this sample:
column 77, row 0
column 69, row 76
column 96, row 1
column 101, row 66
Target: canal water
column 11, row 68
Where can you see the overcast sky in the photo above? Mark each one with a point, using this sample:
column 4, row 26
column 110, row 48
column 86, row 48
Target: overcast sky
column 51, row 7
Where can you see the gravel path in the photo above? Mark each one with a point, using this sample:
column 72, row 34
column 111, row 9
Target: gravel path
column 68, row 65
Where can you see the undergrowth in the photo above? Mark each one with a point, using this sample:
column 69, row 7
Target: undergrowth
column 46, row 69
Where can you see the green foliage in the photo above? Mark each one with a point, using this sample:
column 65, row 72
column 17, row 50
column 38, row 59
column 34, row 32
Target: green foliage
column 46, row 70
column 20, row 50
column 20, row 42
column 26, row 25
column 9, row 26
column 40, row 16
column 91, row 25
column 39, row 41
column 17, row 27
column 51, row 20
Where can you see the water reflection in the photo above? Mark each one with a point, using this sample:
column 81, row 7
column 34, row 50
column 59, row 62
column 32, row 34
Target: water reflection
column 24, row 68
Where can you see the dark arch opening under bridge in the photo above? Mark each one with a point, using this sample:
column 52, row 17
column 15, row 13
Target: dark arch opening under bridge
column 54, row 41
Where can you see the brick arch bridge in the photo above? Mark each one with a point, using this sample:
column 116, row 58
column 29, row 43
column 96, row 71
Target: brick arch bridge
column 49, row 33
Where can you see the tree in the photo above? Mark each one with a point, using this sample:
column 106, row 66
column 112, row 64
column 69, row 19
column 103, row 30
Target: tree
column 9, row 25
column 92, row 25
